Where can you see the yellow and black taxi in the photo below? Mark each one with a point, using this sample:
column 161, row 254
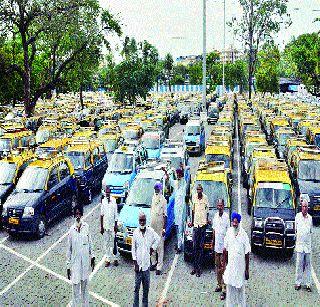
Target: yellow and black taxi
column 273, row 207
column 304, row 167
column 45, row 191
column 90, row 162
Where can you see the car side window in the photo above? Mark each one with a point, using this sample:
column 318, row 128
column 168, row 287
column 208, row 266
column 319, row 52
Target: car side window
column 95, row 155
column 64, row 170
column 87, row 160
column 53, row 178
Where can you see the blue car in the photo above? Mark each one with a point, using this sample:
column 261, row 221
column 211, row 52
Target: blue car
column 194, row 136
column 153, row 142
column 123, row 168
column 139, row 199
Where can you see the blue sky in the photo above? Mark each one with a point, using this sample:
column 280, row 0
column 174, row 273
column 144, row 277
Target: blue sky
column 161, row 22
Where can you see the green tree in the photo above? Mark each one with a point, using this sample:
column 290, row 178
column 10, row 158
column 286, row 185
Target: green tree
column 304, row 51
column 180, row 73
column 55, row 35
column 195, row 73
column 168, row 67
column 259, row 22
column 268, row 69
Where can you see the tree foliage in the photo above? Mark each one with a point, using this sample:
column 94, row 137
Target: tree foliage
column 260, row 20
column 55, row 37
column 268, row 69
column 304, row 52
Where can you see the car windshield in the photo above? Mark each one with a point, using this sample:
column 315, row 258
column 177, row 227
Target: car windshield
column 5, row 144
column 309, row 170
column 130, row 134
column 213, row 111
column 7, row 172
column 42, row 136
column 33, row 179
column 192, row 130
column 110, row 144
column 212, row 158
column 141, row 192
column 283, row 138
column 121, row 162
column 274, row 195
column 214, row 190
column 151, row 143
column 77, row 159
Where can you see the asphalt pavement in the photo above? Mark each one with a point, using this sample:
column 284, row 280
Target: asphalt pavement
column 33, row 272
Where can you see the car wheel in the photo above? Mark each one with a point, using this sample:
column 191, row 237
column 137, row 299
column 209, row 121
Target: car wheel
column 41, row 228
column 254, row 249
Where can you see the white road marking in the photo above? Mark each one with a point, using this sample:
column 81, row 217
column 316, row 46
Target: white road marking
column 315, row 279
column 97, row 267
column 238, row 168
column 57, row 275
column 168, row 281
column 4, row 239
column 17, row 279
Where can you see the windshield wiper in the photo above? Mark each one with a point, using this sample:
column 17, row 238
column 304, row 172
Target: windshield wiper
column 279, row 204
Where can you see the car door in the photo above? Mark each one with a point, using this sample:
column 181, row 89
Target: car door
column 53, row 197
column 65, row 184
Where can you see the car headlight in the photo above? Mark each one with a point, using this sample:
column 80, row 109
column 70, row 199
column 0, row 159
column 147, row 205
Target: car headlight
column 28, row 211
column 258, row 223
column 290, row 225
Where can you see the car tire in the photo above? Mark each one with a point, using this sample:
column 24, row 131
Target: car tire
column 254, row 249
column 41, row 228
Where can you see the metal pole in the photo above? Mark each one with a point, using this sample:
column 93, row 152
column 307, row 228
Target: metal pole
column 204, row 63
column 224, row 46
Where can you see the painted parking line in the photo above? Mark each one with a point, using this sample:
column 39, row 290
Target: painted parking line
column 4, row 239
column 315, row 279
column 57, row 275
column 17, row 279
column 168, row 281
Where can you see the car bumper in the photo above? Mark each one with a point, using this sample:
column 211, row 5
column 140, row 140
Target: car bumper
column 273, row 240
column 193, row 149
column 26, row 225
column 208, row 251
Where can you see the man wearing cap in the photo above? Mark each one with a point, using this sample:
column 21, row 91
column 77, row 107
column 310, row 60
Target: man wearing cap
column 158, row 223
column 108, row 224
column 220, row 225
column 180, row 208
column 200, row 219
column 144, row 242
column 236, row 258
column 303, row 226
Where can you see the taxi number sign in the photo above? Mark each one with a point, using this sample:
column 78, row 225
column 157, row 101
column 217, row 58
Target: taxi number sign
column 13, row 220
column 273, row 242
column 129, row 241
column 317, row 207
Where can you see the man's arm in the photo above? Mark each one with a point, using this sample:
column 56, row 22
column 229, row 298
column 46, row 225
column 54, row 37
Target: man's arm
column 134, row 253
column 101, row 224
column 247, row 256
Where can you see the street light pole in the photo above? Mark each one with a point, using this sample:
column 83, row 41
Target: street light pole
column 224, row 46
column 204, row 63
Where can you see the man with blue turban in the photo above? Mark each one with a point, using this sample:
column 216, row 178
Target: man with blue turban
column 158, row 223
column 236, row 258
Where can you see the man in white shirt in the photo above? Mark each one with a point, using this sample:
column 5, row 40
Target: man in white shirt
column 158, row 224
column 220, row 225
column 108, row 223
column 80, row 259
column 236, row 256
column 144, row 242
column 200, row 219
column 180, row 208
column 303, row 225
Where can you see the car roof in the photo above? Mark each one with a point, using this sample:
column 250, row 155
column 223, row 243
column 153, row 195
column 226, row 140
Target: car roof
column 153, row 174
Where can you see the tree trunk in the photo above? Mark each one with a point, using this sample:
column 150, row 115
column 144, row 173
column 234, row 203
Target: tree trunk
column 81, row 96
column 28, row 106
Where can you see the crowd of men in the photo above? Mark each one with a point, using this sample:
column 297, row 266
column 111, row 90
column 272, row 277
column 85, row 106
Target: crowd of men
column 231, row 245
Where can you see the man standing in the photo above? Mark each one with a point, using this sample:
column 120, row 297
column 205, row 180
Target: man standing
column 220, row 226
column 79, row 258
column 236, row 256
column 158, row 223
column 200, row 215
column 108, row 223
column 303, row 224
column 144, row 242
column 180, row 208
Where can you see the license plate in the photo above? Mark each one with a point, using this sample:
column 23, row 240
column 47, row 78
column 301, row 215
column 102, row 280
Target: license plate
column 129, row 241
column 273, row 242
column 317, row 207
column 13, row 220
column 208, row 246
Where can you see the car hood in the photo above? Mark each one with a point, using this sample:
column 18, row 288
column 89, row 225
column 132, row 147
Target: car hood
column 309, row 187
column 22, row 199
column 116, row 179
column 286, row 214
column 4, row 189
column 129, row 215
